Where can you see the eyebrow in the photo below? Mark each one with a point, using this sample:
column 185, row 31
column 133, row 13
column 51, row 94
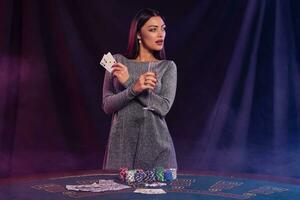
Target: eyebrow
column 155, row 25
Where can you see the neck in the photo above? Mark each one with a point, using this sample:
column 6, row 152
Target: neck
column 145, row 55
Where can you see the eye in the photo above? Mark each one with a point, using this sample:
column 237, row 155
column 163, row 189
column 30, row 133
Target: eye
column 152, row 29
column 164, row 28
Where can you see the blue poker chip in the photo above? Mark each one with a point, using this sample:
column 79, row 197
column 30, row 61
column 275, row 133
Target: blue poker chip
column 168, row 176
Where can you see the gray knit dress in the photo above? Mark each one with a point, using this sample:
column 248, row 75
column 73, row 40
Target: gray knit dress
column 140, row 139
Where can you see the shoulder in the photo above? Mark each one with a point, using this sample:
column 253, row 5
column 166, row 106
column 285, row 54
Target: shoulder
column 168, row 68
column 170, row 64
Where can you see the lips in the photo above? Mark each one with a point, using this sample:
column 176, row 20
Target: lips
column 159, row 42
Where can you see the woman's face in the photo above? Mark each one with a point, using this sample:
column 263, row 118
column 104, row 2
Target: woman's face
column 152, row 34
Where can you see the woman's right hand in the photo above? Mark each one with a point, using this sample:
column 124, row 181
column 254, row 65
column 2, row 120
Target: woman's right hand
column 147, row 80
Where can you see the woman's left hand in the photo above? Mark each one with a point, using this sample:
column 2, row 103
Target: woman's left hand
column 121, row 72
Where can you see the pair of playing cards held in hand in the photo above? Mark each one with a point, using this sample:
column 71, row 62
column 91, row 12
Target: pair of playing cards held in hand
column 108, row 61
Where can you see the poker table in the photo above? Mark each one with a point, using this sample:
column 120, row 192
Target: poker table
column 188, row 185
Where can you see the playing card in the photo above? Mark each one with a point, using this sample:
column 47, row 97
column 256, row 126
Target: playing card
column 108, row 61
column 110, row 57
column 104, row 62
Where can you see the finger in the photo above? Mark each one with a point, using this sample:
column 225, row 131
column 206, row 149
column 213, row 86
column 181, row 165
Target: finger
column 149, row 87
column 116, row 73
column 120, row 66
column 151, row 78
column 117, row 67
column 150, row 74
column 149, row 82
column 117, row 64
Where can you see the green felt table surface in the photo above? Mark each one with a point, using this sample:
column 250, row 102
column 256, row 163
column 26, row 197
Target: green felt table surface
column 186, row 186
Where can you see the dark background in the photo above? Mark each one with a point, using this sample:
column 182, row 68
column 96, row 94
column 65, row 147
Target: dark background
column 237, row 107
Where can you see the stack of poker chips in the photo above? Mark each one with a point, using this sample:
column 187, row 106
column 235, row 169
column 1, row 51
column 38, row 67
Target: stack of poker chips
column 139, row 176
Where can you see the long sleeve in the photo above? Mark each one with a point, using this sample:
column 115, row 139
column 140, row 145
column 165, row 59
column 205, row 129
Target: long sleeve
column 161, row 103
column 113, row 101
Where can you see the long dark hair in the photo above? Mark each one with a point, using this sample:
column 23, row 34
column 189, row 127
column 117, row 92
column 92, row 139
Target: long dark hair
column 137, row 22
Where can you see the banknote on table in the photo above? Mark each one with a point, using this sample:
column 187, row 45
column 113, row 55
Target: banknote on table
column 100, row 186
column 150, row 191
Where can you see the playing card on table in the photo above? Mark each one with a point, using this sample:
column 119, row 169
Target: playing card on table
column 108, row 61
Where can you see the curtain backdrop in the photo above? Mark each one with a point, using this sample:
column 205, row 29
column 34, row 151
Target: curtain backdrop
column 237, row 106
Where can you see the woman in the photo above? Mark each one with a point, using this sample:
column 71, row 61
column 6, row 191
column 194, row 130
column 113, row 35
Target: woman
column 139, row 138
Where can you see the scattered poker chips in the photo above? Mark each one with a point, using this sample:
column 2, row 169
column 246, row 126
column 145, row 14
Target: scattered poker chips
column 168, row 175
column 122, row 174
column 139, row 176
column 159, row 174
column 149, row 176
column 130, row 176
column 174, row 173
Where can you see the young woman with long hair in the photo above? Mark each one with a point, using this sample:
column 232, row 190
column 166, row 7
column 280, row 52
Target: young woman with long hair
column 138, row 94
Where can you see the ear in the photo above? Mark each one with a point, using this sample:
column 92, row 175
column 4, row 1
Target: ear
column 138, row 35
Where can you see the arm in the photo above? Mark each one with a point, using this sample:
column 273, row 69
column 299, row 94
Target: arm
column 161, row 103
column 112, row 101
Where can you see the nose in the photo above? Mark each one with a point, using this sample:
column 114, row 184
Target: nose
column 161, row 33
